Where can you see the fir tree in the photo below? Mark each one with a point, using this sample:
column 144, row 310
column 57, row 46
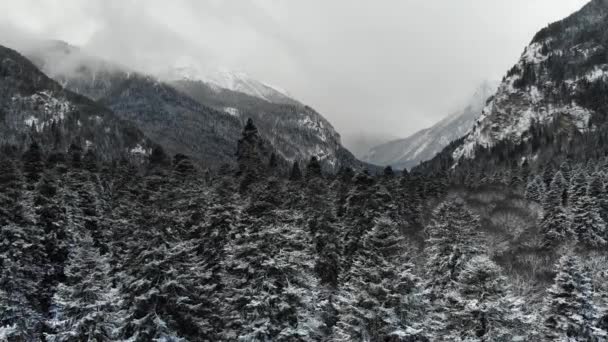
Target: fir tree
column 11, row 188
column 327, row 246
column 388, row 172
column 535, row 190
column 557, row 194
column 296, row 173
column 313, row 169
column 452, row 239
column 269, row 281
column 587, row 222
column 86, row 306
column 569, row 312
column 32, row 163
column 380, row 294
column 578, row 187
column 482, row 307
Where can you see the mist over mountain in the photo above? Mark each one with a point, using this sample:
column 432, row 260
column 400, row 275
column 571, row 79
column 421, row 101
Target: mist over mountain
column 197, row 114
column 425, row 144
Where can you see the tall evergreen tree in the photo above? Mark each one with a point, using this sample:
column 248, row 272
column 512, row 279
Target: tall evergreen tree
column 86, row 306
column 313, row 169
column 535, row 190
column 380, row 294
column 587, row 222
column 452, row 239
column 296, row 173
column 557, row 194
column 569, row 312
column 556, row 222
column 578, row 187
column 482, row 307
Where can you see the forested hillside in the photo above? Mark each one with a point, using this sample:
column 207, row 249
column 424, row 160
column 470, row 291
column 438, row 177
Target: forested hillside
column 165, row 251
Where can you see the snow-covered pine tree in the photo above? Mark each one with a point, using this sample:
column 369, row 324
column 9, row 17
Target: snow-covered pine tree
column 11, row 187
column 597, row 191
column 452, row 239
column 548, row 175
column 555, row 226
column 52, row 221
column 587, row 223
column 578, row 187
column 535, row 190
column 556, row 222
column 569, row 313
column 86, row 307
column 482, row 307
column 327, row 247
column 162, row 291
column 557, row 193
column 380, row 296
column 270, row 282
column 249, row 156
column 21, row 314
column 22, row 257
column 32, row 163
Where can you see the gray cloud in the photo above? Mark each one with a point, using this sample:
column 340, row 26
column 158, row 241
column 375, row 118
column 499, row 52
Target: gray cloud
column 385, row 68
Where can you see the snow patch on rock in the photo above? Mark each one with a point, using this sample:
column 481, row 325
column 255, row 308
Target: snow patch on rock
column 139, row 149
column 46, row 106
column 232, row 111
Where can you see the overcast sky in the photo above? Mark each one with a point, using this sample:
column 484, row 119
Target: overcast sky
column 378, row 67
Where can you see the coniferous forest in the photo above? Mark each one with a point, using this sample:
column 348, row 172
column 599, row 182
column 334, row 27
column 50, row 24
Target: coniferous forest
column 164, row 250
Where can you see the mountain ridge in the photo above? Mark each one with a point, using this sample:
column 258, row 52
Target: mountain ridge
column 557, row 77
column 298, row 132
column 426, row 143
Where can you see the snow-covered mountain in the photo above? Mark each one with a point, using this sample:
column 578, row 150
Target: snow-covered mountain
column 193, row 114
column 560, row 79
column 223, row 78
column 424, row 144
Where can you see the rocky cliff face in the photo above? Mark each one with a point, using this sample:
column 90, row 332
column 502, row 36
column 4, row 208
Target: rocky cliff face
column 560, row 77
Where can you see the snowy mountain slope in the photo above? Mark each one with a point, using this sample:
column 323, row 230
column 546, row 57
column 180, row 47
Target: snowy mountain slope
column 195, row 117
column 33, row 106
column 561, row 76
column 222, row 78
column 423, row 145
column 297, row 131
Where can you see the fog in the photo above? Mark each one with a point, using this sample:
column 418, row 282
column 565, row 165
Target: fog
column 374, row 68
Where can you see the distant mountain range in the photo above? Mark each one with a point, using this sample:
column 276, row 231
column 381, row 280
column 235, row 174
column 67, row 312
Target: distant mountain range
column 199, row 114
column 425, row 144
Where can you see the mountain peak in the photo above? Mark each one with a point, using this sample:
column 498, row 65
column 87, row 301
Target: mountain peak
column 223, row 78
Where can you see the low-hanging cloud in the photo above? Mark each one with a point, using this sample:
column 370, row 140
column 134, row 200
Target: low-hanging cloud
column 384, row 68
